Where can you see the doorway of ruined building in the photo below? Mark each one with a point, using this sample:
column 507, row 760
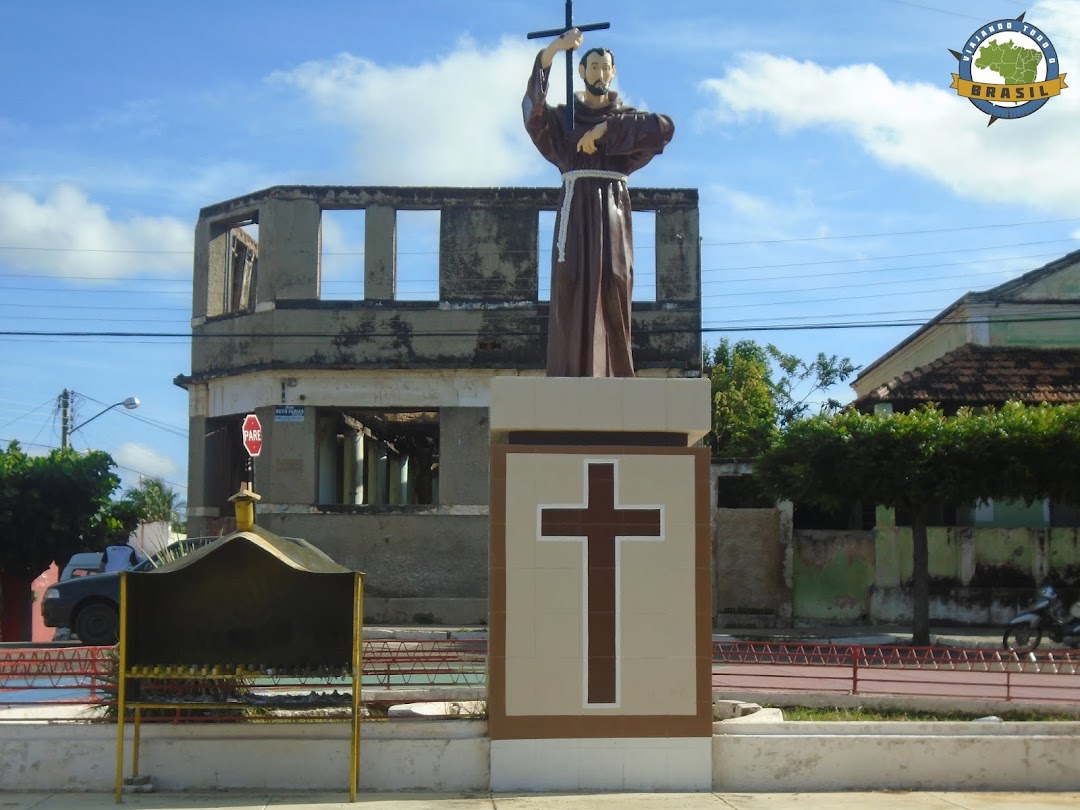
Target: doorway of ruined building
column 371, row 457
column 225, row 467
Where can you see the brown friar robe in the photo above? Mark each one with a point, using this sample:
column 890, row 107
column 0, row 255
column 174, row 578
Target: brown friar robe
column 589, row 321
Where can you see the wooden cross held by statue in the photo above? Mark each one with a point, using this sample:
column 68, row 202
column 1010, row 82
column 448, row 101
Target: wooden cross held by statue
column 557, row 32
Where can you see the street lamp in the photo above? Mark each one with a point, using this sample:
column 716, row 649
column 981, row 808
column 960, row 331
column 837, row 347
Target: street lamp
column 65, row 416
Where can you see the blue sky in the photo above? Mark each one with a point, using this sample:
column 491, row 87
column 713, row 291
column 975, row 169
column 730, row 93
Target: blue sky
column 841, row 181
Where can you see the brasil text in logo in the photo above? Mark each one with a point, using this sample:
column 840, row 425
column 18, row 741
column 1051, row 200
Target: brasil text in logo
column 1008, row 69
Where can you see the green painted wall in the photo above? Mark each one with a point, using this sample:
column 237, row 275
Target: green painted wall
column 894, row 555
column 833, row 575
column 1005, row 558
column 1063, row 284
column 1063, row 556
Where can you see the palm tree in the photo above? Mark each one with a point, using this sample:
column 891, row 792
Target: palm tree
column 155, row 501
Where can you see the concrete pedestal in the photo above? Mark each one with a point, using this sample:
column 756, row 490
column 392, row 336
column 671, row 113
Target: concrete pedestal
column 600, row 638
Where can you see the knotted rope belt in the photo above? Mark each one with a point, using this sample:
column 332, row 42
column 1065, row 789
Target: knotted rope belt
column 568, row 196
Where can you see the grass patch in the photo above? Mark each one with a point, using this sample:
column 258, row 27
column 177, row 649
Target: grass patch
column 863, row 714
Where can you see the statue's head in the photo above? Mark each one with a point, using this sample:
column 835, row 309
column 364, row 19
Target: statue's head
column 597, row 68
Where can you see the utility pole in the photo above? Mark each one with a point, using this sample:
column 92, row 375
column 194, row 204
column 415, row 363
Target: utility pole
column 66, row 428
column 65, row 418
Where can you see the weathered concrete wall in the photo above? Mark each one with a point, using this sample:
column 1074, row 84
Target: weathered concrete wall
column 980, row 575
column 349, row 335
column 796, row 757
column 833, row 574
column 472, row 267
column 463, row 454
column 288, row 474
column 752, row 553
column 402, row 755
column 488, row 315
column 1063, row 555
column 289, row 249
column 893, row 551
column 766, row 575
column 435, row 555
column 454, row 756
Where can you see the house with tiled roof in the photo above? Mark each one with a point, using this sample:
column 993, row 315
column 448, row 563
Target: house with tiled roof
column 1039, row 312
column 1018, row 341
column 979, row 375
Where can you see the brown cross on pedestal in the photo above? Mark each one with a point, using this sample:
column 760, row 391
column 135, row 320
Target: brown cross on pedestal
column 601, row 524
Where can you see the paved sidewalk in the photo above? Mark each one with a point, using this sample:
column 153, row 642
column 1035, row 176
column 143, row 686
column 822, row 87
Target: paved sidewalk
column 884, row 800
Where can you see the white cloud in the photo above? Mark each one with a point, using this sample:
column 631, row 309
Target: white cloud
column 140, row 117
column 922, row 127
column 751, row 206
column 145, row 461
column 71, row 235
column 452, row 121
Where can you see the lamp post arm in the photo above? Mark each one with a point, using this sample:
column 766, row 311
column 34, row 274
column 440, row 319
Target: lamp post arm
column 130, row 403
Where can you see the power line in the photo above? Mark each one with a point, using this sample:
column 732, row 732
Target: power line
column 90, row 306
column 57, row 249
column 880, row 258
column 766, row 290
column 1048, row 318
column 185, row 292
column 938, row 10
column 786, row 240
column 148, row 475
column 847, row 273
column 424, row 283
column 828, row 299
column 95, row 320
column 36, row 408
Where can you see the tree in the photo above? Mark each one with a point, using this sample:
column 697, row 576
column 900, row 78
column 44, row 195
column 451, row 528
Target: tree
column 744, row 413
column 154, row 500
column 922, row 458
column 758, row 390
column 51, row 507
column 798, row 376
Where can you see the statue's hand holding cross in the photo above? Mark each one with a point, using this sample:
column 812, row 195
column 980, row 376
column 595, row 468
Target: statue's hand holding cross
column 567, row 41
column 568, row 38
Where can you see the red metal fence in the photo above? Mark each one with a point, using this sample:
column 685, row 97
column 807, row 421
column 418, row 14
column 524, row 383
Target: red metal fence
column 448, row 669
column 33, row 679
column 59, row 675
column 804, row 668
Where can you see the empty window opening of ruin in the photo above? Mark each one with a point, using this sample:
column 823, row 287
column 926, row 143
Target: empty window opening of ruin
column 341, row 256
column 416, row 276
column 241, row 267
column 644, row 223
column 371, row 457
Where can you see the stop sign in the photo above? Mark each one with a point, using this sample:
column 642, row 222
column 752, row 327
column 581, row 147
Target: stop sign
column 252, row 430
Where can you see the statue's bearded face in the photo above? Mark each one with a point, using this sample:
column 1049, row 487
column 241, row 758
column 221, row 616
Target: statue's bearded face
column 597, row 72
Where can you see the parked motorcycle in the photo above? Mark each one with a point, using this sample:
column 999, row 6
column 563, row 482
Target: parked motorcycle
column 1047, row 615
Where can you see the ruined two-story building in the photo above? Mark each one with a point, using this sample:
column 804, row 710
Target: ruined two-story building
column 375, row 408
